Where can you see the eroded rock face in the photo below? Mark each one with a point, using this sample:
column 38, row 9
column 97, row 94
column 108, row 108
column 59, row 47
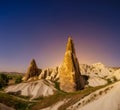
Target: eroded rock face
column 70, row 76
column 32, row 72
column 50, row 74
column 33, row 89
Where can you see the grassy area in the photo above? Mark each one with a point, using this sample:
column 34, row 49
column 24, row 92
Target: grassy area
column 14, row 102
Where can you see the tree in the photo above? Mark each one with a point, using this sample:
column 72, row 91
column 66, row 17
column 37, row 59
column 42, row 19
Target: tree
column 18, row 79
column 3, row 80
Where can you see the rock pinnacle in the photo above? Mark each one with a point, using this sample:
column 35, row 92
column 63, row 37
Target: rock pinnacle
column 70, row 76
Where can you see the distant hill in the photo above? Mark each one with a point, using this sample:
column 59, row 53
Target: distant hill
column 13, row 77
column 12, row 73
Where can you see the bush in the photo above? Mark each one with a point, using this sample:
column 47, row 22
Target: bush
column 18, row 79
column 3, row 80
column 109, row 81
column 57, row 85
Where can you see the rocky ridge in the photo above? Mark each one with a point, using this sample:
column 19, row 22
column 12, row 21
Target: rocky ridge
column 98, row 74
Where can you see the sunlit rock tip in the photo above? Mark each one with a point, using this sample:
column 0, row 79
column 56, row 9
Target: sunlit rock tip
column 32, row 71
column 70, row 76
column 70, row 45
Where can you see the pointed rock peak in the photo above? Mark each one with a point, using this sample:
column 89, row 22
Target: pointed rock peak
column 70, row 45
column 70, row 75
column 33, row 62
column 32, row 70
column 69, row 37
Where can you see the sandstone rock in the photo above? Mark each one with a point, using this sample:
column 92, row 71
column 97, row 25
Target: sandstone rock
column 33, row 89
column 50, row 74
column 32, row 71
column 70, row 76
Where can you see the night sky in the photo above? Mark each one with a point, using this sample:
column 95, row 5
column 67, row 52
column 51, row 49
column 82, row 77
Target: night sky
column 39, row 29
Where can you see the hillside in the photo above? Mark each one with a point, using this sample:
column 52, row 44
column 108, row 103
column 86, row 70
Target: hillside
column 34, row 89
column 104, row 99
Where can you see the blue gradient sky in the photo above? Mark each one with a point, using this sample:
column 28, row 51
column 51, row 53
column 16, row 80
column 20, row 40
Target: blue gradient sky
column 39, row 29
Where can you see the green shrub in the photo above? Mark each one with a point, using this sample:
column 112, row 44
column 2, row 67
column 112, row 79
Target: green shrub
column 109, row 81
column 18, row 79
column 3, row 80
column 57, row 85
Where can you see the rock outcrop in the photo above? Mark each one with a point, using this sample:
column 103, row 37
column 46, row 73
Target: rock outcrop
column 51, row 74
column 70, row 76
column 99, row 74
column 33, row 89
column 32, row 72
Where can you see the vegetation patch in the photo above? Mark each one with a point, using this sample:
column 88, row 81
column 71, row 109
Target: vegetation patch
column 14, row 102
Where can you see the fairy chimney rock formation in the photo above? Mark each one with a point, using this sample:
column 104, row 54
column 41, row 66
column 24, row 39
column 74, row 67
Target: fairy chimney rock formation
column 32, row 71
column 70, row 76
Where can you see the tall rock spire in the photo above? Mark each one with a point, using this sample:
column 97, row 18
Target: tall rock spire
column 32, row 70
column 70, row 45
column 70, row 76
